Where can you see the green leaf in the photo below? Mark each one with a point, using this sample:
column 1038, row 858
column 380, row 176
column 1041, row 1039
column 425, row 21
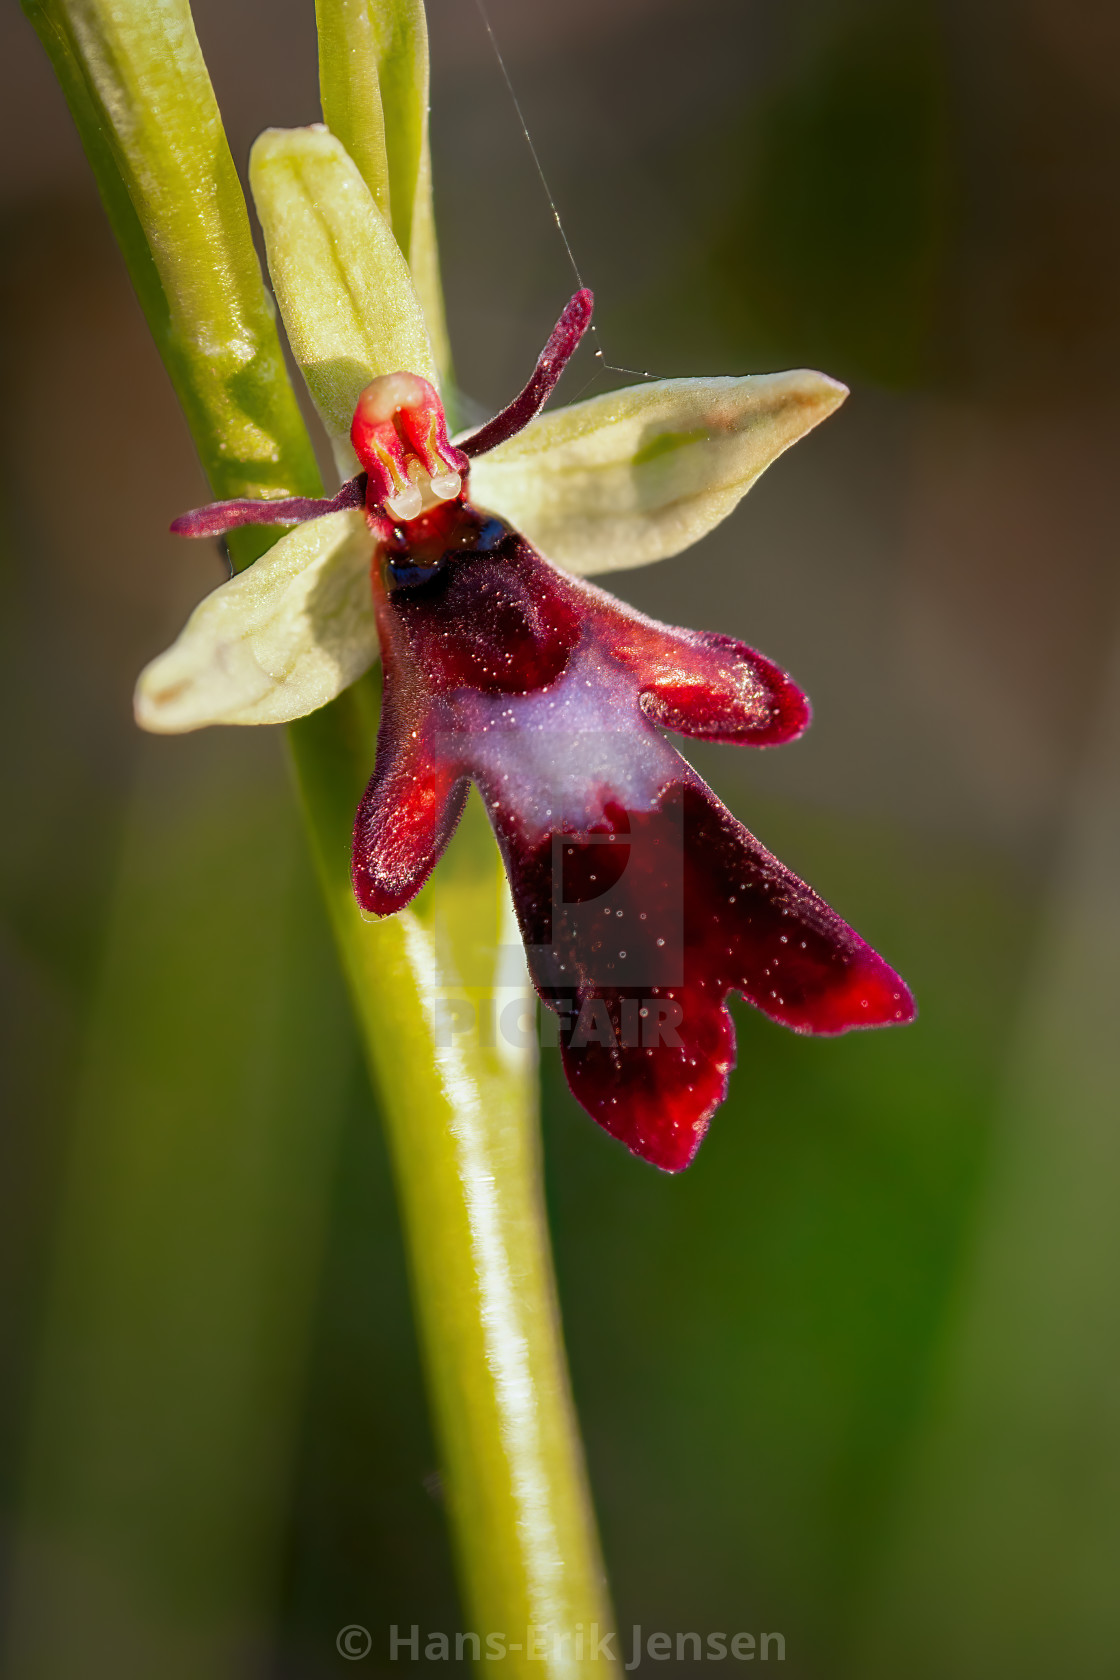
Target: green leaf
column 639, row 474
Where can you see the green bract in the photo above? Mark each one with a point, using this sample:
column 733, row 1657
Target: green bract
column 618, row 481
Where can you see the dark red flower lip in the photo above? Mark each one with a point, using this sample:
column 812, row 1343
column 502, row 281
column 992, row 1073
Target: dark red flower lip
column 651, row 1061
column 642, row 902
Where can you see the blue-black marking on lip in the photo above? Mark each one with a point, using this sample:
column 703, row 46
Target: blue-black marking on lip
column 403, row 573
column 483, row 538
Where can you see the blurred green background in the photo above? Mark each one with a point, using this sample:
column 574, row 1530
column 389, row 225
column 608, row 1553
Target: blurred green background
column 856, row 1376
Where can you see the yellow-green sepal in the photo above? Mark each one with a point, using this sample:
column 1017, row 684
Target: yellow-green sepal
column 276, row 642
column 344, row 289
column 640, row 474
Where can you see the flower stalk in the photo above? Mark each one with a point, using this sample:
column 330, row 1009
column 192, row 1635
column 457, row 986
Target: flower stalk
column 462, row 1123
column 462, row 1131
column 141, row 98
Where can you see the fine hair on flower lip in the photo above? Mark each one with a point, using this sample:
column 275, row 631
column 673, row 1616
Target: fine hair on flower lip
column 553, row 699
column 504, row 670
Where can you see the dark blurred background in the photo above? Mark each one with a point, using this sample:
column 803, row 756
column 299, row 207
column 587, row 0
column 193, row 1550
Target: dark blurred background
column 856, row 1376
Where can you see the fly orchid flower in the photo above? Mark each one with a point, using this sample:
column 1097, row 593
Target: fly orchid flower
column 641, row 900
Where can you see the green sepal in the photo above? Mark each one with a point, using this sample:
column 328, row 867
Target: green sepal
column 273, row 643
column 640, row 474
column 344, row 289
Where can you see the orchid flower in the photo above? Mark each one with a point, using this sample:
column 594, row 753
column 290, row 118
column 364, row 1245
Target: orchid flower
column 642, row 901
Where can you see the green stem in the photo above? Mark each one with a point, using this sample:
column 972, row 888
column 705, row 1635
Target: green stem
column 461, row 1122
column 464, row 1139
column 139, row 92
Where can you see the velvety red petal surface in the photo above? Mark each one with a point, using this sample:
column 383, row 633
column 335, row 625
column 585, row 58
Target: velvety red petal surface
column 692, row 908
column 405, row 820
column 472, row 606
column 698, row 682
column 642, row 901
column 414, row 799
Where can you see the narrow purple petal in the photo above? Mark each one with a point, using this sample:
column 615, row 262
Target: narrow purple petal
column 555, row 356
column 408, row 813
column 219, row 517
